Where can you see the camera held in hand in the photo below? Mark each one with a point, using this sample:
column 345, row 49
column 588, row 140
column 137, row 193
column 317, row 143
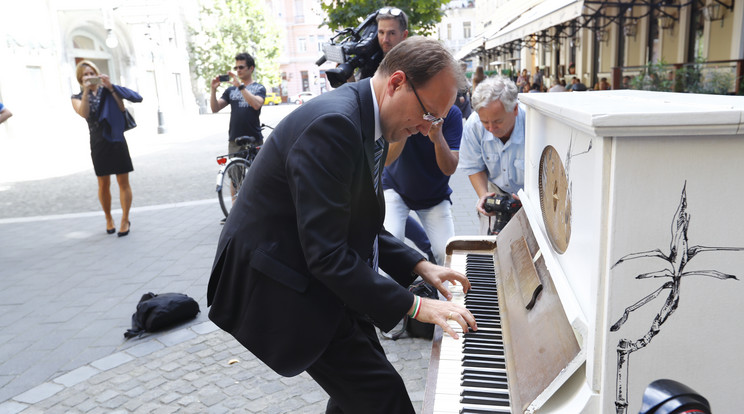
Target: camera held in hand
column 504, row 208
column 224, row 78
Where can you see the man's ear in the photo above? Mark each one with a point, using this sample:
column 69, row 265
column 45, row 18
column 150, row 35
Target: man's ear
column 405, row 34
column 395, row 82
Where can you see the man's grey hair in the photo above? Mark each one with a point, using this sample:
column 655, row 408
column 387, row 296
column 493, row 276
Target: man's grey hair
column 493, row 89
column 421, row 59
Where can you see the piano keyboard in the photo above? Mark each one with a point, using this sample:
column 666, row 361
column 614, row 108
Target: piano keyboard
column 472, row 370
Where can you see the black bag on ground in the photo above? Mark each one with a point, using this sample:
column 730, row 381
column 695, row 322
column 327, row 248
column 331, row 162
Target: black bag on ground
column 415, row 328
column 156, row 312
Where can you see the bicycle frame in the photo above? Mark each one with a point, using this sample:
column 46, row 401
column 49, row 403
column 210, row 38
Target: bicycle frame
column 247, row 153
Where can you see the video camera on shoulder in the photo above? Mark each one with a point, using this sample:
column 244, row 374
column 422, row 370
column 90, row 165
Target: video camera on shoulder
column 359, row 48
column 504, row 208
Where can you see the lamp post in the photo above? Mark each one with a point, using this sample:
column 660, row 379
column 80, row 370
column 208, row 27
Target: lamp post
column 161, row 118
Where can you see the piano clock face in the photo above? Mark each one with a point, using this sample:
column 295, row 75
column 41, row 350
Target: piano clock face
column 555, row 199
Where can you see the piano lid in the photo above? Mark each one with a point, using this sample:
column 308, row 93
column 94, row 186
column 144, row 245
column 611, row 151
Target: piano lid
column 542, row 346
column 642, row 113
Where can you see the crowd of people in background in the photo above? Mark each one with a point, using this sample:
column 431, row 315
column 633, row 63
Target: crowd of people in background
column 532, row 82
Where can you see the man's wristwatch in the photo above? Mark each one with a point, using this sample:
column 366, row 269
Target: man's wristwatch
column 241, row 87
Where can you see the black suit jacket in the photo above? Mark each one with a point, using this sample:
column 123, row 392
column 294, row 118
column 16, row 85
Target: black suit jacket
column 293, row 253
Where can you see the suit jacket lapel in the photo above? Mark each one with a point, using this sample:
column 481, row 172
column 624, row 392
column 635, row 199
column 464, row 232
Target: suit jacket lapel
column 367, row 109
column 367, row 115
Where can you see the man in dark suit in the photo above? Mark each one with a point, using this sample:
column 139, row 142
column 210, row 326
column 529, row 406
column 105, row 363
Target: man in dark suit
column 292, row 279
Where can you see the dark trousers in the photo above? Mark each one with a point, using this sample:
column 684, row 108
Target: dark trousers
column 357, row 375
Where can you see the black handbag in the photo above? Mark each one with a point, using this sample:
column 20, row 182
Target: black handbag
column 129, row 121
column 414, row 328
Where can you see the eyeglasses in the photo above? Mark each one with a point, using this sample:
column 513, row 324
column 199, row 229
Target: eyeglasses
column 393, row 11
column 428, row 117
column 241, row 67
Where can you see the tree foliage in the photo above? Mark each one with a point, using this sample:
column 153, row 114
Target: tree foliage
column 228, row 27
column 423, row 15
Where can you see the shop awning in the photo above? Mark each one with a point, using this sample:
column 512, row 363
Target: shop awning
column 470, row 48
column 503, row 17
column 545, row 15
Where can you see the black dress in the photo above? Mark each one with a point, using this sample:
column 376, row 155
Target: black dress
column 108, row 157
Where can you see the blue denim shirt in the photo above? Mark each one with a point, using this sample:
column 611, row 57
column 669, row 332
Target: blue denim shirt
column 481, row 151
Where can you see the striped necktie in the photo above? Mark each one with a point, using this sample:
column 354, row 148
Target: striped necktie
column 376, row 175
column 377, row 171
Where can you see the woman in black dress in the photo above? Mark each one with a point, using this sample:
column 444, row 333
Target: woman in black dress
column 109, row 157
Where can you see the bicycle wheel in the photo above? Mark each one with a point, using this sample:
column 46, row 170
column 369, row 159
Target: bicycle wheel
column 232, row 179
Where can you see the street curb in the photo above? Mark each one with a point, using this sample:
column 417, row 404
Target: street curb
column 155, row 342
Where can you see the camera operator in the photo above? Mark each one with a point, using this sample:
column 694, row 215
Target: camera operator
column 392, row 28
column 245, row 97
column 492, row 147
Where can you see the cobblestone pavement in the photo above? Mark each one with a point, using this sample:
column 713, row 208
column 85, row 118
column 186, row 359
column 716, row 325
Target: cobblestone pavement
column 208, row 373
column 67, row 293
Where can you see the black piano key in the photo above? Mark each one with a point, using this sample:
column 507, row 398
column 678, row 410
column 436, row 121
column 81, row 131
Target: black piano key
column 468, row 410
column 484, row 351
column 473, row 375
column 485, row 384
column 485, row 398
column 484, row 364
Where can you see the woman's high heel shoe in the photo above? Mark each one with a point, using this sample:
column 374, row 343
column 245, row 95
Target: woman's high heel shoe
column 111, row 231
column 124, row 233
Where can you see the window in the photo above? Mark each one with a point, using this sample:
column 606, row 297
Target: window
column 34, row 81
column 321, row 40
column 301, row 45
column 449, row 31
column 466, row 30
column 299, row 11
column 305, row 81
column 83, row 42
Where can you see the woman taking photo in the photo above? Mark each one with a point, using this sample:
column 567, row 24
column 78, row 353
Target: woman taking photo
column 108, row 149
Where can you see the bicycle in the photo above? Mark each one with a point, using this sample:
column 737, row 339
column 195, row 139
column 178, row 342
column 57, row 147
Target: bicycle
column 233, row 170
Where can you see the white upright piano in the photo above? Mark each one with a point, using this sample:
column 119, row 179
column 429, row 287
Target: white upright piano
column 624, row 266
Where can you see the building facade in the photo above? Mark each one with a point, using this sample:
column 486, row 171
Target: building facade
column 592, row 39
column 300, row 21
column 139, row 44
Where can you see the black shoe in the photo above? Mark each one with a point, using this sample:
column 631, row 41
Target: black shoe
column 111, row 231
column 223, row 220
column 124, row 233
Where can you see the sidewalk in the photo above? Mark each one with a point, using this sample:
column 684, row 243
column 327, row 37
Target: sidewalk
column 68, row 292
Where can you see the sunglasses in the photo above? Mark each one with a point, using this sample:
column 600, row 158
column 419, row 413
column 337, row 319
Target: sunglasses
column 241, row 67
column 428, row 117
column 393, row 11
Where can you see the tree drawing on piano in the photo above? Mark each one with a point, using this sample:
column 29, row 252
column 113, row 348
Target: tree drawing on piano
column 680, row 254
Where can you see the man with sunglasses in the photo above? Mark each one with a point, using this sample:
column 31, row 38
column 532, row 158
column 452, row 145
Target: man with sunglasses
column 392, row 27
column 245, row 98
column 295, row 274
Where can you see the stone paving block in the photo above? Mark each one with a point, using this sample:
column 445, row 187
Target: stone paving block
column 77, row 376
column 144, row 348
column 177, row 337
column 12, row 407
column 39, row 393
column 112, row 361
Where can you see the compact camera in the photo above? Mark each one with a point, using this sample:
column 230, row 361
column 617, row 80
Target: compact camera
column 504, row 208
column 94, row 81
column 224, row 78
